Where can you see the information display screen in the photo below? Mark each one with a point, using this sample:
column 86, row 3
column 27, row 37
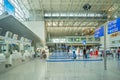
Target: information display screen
column 114, row 26
column 99, row 32
column 77, row 39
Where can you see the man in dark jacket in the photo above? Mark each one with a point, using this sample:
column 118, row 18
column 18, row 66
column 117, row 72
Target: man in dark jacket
column 84, row 53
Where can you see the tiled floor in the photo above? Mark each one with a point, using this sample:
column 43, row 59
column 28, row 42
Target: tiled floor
column 42, row 70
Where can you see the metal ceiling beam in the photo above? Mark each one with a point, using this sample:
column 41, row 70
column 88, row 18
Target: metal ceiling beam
column 113, row 12
column 24, row 5
column 68, row 8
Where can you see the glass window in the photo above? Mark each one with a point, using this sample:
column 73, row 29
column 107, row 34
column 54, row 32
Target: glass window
column 1, row 7
column 62, row 40
column 77, row 39
column 70, row 39
column 55, row 40
column 3, row 48
column 21, row 12
column 0, row 12
column 97, row 39
column 17, row 15
column 83, row 39
column 14, row 2
column 22, row 19
column 1, row 1
column 18, row 11
column 89, row 39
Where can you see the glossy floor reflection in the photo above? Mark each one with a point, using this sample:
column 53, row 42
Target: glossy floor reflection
column 42, row 70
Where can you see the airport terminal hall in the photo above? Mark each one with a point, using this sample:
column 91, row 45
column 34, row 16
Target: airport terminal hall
column 59, row 39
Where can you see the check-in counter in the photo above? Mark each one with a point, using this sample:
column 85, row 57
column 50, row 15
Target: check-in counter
column 2, row 57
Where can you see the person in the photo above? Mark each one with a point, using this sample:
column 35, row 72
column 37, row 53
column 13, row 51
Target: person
column 87, row 53
column 44, row 54
column 81, row 52
column 10, row 58
column 91, row 51
column 84, row 53
column 114, row 53
column 96, row 52
column 118, row 52
column 74, row 54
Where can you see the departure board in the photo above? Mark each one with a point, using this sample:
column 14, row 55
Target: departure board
column 99, row 32
column 114, row 26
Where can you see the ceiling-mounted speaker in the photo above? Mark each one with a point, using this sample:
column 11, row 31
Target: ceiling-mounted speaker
column 87, row 7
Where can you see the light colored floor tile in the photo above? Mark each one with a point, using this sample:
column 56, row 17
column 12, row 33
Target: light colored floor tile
column 42, row 70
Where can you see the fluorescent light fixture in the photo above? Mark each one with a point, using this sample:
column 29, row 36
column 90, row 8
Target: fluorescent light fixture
column 73, row 15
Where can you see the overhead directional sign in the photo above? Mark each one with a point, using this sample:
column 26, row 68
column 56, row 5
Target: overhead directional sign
column 114, row 26
column 99, row 32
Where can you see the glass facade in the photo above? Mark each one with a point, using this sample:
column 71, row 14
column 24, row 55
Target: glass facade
column 1, row 7
column 20, row 12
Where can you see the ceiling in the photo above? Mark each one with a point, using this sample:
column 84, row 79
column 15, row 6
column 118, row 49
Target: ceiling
column 69, row 18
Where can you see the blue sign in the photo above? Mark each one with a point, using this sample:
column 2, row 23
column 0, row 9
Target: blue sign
column 9, row 7
column 99, row 32
column 114, row 26
column 84, row 42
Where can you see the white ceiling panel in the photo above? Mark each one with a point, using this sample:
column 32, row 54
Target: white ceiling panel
column 67, row 23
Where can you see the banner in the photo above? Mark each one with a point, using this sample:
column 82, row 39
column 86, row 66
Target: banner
column 114, row 26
